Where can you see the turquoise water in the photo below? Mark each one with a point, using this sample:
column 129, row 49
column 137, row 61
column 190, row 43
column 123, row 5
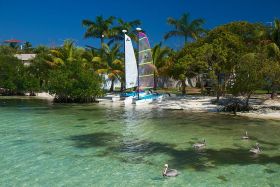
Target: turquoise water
column 45, row 144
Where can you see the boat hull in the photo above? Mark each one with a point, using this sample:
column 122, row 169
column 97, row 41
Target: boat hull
column 148, row 99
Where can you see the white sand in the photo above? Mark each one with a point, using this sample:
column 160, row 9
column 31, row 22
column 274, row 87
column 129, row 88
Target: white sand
column 203, row 104
column 44, row 95
column 190, row 103
column 264, row 115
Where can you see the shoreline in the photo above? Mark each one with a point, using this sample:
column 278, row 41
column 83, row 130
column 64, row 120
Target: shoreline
column 192, row 104
column 204, row 104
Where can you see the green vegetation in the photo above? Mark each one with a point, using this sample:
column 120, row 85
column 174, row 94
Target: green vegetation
column 185, row 27
column 15, row 79
column 238, row 58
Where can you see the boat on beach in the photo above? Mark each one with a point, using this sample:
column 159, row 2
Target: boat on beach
column 139, row 75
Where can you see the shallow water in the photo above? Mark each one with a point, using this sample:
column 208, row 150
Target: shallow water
column 45, row 144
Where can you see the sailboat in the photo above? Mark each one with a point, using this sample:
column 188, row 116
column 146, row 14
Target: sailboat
column 131, row 70
column 141, row 74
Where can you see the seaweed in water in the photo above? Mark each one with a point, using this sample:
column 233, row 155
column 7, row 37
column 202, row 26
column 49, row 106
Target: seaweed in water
column 82, row 119
column 223, row 178
column 269, row 171
column 80, row 126
column 101, row 122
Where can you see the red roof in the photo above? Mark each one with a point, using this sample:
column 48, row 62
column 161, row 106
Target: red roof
column 13, row 41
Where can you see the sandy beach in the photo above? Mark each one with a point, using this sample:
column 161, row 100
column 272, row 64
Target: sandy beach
column 263, row 109
column 44, row 95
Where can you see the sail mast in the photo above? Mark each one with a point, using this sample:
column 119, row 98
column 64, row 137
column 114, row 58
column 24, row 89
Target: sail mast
column 138, row 80
column 124, row 33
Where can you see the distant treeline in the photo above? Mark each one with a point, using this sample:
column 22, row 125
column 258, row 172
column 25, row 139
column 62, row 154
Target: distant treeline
column 236, row 58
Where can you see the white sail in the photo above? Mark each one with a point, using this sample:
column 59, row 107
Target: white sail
column 131, row 73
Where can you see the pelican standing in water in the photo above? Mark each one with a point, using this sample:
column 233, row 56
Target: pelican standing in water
column 256, row 150
column 169, row 172
column 245, row 137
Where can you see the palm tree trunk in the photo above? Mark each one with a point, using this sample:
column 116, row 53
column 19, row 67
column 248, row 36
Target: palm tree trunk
column 155, row 81
column 112, row 85
column 273, row 92
column 102, row 40
column 247, row 100
column 184, row 87
column 218, row 94
column 122, row 86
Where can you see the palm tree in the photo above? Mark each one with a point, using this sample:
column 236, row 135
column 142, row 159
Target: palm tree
column 275, row 34
column 100, row 28
column 93, row 56
column 110, row 63
column 65, row 54
column 61, row 55
column 27, row 47
column 274, row 53
column 185, row 27
column 160, row 55
column 129, row 26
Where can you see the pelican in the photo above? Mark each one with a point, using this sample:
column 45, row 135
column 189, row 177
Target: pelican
column 245, row 137
column 256, row 150
column 199, row 145
column 169, row 172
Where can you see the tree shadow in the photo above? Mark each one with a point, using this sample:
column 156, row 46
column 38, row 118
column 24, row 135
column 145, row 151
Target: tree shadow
column 200, row 160
column 100, row 139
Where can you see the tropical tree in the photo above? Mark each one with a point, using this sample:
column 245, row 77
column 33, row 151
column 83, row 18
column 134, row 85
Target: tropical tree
column 27, row 47
column 224, row 46
column 160, row 60
column 67, row 53
column 74, row 83
column 185, row 27
column 111, row 64
column 72, row 78
column 41, row 65
column 12, row 75
column 93, row 56
column 100, row 28
column 272, row 68
column 7, row 50
column 275, row 33
column 185, row 64
column 249, row 75
column 273, row 52
column 123, row 25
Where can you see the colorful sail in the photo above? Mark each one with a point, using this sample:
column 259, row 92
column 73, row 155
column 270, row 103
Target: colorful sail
column 146, row 66
column 131, row 73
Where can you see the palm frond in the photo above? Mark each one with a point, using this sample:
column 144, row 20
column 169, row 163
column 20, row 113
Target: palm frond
column 172, row 33
column 102, row 71
column 96, row 59
column 87, row 22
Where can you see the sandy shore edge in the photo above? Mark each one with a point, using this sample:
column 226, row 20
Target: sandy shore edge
column 196, row 104
column 204, row 104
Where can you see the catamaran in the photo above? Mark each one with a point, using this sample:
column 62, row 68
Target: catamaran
column 139, row 75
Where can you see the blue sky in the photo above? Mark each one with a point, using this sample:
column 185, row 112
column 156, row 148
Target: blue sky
column 49, row 22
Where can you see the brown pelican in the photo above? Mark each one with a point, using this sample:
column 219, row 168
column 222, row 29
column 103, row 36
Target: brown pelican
column 245, row 137
column 199, row 145
column 256, row 150
column 169, row 172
